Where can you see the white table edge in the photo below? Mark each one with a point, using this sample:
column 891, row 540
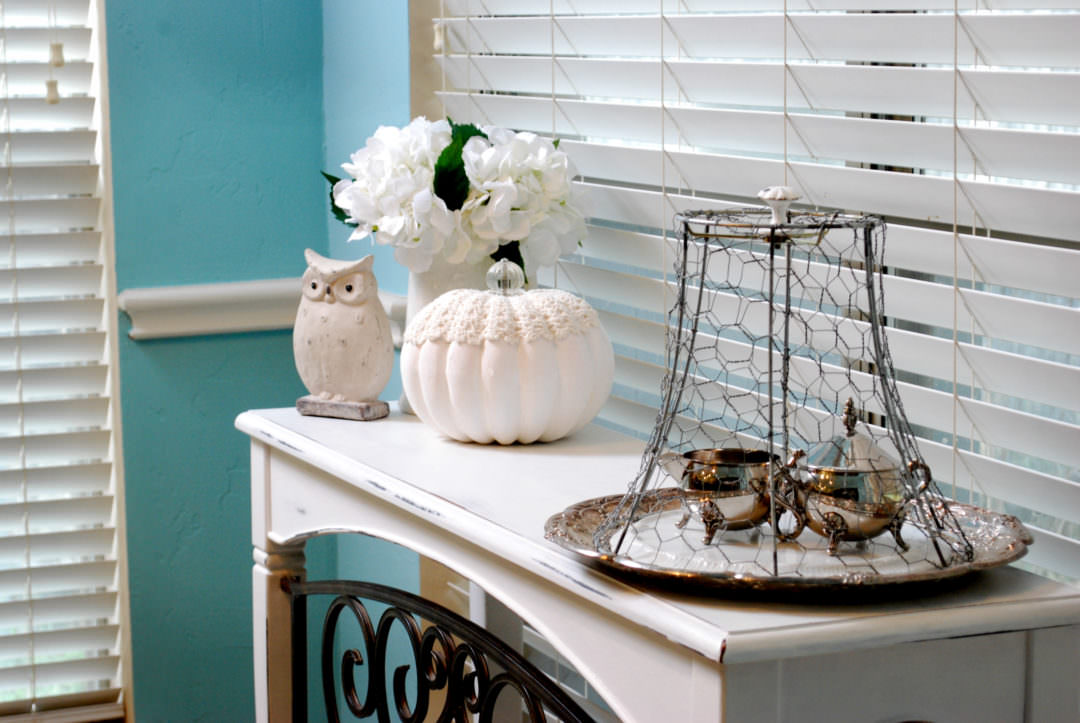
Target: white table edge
column 673, row 622
column 545, row 561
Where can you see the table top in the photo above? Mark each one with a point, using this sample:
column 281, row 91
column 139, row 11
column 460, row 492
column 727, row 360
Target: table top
column 500, row 497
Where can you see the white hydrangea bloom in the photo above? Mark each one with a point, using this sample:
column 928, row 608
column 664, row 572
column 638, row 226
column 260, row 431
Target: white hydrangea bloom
column 520, row 190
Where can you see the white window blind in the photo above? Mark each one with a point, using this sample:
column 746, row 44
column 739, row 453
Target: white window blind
column 957, row 122
column 59, row 599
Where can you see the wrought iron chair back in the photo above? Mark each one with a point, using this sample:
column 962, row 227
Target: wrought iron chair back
column 453, row 654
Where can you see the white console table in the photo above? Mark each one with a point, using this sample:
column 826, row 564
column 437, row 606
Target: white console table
column 1003, row 647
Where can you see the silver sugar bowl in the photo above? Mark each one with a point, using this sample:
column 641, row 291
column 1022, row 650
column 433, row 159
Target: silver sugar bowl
column 848, row 489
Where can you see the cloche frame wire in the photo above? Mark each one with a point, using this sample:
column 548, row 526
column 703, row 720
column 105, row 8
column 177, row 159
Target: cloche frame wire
column 774, row 329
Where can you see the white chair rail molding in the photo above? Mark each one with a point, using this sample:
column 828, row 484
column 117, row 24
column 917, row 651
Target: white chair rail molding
column 227, row 307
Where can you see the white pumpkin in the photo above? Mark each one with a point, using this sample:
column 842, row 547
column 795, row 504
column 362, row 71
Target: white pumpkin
column 507, row 366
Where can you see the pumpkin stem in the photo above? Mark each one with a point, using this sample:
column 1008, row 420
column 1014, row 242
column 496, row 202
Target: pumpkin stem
column 505, row 277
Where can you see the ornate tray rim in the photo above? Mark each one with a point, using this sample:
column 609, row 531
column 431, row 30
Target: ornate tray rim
column 556, row 530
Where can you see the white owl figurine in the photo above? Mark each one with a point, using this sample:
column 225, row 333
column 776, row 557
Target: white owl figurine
column 341, row 340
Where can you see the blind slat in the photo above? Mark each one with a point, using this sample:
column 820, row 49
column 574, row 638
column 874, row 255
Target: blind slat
column 34, row 114
column 625, row 289
column 1018, row 431
column 52, row 612
column 34, row 12
column 867, row 37
column 49, row 316
column 56, row 482
column 79, row 643
column 1036, row 211
column 1052, row 157
column 50, row 215
column 52, row 582
column 51, row 516
column 561, row 7
column 1054, row 552
column 30, row 43
column 1018, row 485
column 53, row 384
column 52, row 146
column 1008, row 96
column 57, row 548
column 52, row 417
column 30, row 283
column 983, row 260
column 97, row 701
column 29, row 181
column 61, row 678
column 45, row 351
column 51, row 450
column 1047, row 269
column 626, row 415
column 45, row 249
column 28, row 78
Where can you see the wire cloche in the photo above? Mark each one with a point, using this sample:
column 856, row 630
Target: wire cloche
column 781, row 455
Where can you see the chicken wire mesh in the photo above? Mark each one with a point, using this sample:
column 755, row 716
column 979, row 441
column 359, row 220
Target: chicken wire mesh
column 778, row 367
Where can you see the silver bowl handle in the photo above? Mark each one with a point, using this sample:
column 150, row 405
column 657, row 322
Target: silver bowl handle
column 919, row 466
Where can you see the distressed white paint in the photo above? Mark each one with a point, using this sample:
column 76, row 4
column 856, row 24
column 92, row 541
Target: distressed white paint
column 481, row 511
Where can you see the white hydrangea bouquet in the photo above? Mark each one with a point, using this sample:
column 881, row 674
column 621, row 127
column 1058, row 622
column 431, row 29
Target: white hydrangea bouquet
column 441, row 189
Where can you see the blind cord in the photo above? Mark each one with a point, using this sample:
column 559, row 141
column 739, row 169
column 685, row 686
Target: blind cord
column 785, row 71
column 9, row 197
column 956, row 246
column 440, row 42
column 664, row 202
column 554, row 117
column 56, row 58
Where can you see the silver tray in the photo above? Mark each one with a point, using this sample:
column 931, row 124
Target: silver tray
column 742, row 560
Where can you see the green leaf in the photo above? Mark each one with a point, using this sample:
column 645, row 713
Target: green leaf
column 556, row 143
column 451, row 183
column 511, row 251
column 338, row 212
column 463, row 132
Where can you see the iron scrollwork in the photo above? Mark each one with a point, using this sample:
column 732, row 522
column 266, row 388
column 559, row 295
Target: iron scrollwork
column 453, row 654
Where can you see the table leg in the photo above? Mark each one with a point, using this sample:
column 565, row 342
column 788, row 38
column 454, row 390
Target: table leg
column 272, row 624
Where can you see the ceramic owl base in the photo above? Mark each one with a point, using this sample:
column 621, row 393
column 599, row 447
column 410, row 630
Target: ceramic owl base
column 313, row 406
column 342, row 344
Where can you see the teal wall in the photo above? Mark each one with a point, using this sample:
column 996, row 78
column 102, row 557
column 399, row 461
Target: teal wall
column 218, row 133
column 188, row 518
column 366, row 82
column 216, row 123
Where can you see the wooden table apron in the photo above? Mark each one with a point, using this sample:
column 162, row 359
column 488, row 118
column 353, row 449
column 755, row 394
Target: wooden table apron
column 653, row 657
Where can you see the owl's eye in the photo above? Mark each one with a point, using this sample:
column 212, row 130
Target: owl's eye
column 312, row 287
column 352, row 289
